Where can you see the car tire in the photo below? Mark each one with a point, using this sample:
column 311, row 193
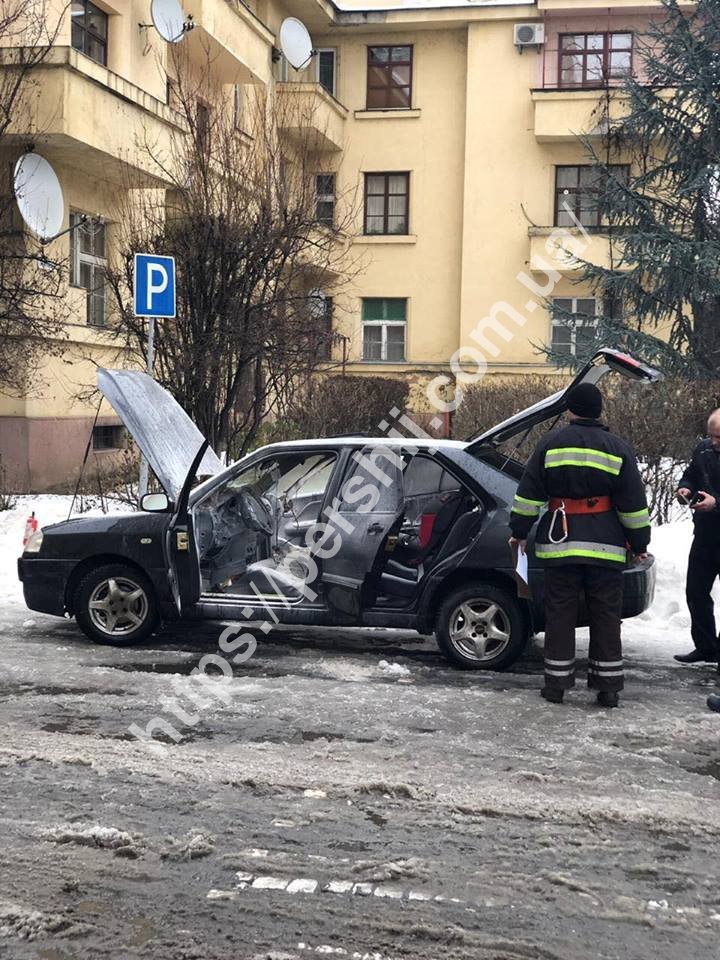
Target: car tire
column 481, row 617
column 115, row 605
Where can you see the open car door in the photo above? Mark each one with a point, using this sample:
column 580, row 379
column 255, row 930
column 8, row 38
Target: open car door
column 605, row 361
column 181, row 545
column 371, row 504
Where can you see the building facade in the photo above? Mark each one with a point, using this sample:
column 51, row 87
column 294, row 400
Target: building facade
column 454, row 122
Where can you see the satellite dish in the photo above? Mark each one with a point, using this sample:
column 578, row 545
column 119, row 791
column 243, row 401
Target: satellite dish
column 295, row 42
column 39, row 195
column 169, row 20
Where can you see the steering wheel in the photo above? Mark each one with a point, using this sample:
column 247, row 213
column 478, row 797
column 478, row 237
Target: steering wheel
column 254, row 513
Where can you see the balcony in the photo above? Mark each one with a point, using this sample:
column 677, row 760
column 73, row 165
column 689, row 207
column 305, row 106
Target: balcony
column 230, row 38
column 564, row 249
column 308, row 110
column 566, row 114
column 81, row 114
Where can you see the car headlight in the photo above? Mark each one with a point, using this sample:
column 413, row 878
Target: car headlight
column 35, row 542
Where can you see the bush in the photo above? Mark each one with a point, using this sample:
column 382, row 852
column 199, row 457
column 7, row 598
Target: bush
column 341, row 405
column 7, row 500
column 496, row 398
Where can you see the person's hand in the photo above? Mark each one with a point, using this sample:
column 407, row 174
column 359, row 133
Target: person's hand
column 641, row 556
column 520, row 544
column 706, row 503
column 683, row 495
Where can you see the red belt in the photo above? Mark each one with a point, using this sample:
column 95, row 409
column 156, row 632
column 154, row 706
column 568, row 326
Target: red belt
column 586, row 505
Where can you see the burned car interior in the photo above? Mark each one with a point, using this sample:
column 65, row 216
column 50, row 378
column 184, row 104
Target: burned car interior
column 251, row 531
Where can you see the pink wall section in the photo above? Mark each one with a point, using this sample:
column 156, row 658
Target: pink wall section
column 43, row 454
column 546, row 69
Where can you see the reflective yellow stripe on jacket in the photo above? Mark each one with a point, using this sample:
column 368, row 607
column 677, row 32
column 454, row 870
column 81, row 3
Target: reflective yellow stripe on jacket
column 583, row 457
column 528, row 508
column 635, row 520
column 581, row 548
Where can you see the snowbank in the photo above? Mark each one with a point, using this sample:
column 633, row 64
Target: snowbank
column 48, row 509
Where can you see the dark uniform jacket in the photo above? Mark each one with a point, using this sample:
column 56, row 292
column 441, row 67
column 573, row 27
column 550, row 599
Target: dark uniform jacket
column 703, row 473
column 581, row 461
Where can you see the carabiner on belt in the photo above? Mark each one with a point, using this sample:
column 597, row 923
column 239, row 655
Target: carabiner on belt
column 560, row 511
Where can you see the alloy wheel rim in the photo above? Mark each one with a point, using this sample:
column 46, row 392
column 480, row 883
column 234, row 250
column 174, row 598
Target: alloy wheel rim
column 480, row 629
column 118, row 606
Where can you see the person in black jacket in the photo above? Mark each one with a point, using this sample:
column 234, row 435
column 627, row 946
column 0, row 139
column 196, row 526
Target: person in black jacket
column 700, row 485
column 597, row 506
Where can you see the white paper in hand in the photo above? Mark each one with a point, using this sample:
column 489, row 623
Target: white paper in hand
column 522, row 564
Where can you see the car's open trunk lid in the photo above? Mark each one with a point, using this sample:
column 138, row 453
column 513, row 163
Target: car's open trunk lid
column 158, row 424
column 605, row 361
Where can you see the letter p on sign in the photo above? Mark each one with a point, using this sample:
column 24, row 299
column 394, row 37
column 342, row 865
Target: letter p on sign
column 154, row 291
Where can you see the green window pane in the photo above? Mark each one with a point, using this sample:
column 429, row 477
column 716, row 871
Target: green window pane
column 372, row 309
column 395, row 309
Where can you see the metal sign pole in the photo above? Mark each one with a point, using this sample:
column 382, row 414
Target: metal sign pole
column 143, row 483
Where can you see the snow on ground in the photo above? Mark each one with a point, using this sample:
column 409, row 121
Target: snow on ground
column 48, row 509
column 660, row 632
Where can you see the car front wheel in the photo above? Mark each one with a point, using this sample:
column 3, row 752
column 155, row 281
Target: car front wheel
column 115, row 605
column 481, row 627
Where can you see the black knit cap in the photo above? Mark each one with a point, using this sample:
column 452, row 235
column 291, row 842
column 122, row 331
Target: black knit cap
column 585, row 400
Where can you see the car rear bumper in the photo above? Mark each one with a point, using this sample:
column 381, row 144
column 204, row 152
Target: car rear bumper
column 638, row 594
column 44, row 583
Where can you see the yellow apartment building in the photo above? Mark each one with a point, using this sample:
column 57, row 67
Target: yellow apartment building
column 455, row 121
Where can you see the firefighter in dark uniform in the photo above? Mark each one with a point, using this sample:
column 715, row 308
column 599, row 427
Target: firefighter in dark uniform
column 596, row 501
column 700, row 486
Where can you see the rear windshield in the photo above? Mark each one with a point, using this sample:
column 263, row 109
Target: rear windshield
column 512, row 454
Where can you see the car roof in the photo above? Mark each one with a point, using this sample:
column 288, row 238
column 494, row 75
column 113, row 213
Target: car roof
column 416, row 442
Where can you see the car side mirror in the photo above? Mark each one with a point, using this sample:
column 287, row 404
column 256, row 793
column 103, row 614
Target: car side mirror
column 155, row 503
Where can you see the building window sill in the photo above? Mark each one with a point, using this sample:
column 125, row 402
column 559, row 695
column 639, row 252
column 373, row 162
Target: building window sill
column 374, row 238
column 404, row 114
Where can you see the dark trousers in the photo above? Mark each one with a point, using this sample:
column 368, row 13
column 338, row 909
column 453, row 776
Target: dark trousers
column 603, row 589
column 703, row 568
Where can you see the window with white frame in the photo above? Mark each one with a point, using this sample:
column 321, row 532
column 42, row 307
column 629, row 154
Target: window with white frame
column 88, row 264
column 326, row 69
column 574, row 324
column 325, row 198
column 384, row 328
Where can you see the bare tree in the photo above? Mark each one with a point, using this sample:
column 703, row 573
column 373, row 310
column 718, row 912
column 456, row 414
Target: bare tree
column 32, row 284
column 253, row 262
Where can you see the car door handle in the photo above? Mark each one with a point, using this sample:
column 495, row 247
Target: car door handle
column 376, row 528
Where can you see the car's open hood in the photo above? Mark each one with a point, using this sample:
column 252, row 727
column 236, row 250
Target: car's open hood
column 158, row 424
column 605, row 361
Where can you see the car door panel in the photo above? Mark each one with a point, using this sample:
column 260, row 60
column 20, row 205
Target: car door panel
column 369, row 507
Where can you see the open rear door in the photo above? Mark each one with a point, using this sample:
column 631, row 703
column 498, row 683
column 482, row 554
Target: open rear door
column 605, row 361
column 371, row 502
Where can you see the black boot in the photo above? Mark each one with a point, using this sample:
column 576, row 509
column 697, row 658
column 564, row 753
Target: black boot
column 713, row 701
column 696, row 656
column 552, row 695
column 608, row 698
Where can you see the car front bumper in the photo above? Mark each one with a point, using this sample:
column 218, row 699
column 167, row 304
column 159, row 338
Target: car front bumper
column 44, row 582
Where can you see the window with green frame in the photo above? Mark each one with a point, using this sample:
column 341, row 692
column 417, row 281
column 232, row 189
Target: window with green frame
column 384, row 324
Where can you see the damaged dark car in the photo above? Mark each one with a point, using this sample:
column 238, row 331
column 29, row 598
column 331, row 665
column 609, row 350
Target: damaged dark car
column 286, row 535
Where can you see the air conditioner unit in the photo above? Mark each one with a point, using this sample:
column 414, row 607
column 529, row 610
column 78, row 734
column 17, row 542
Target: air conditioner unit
column 528, row 35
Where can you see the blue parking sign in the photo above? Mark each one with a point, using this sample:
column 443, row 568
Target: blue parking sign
column 154, row 293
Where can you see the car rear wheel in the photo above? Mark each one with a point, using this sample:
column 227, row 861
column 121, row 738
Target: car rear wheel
column 481, row 627
column 115, row 605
